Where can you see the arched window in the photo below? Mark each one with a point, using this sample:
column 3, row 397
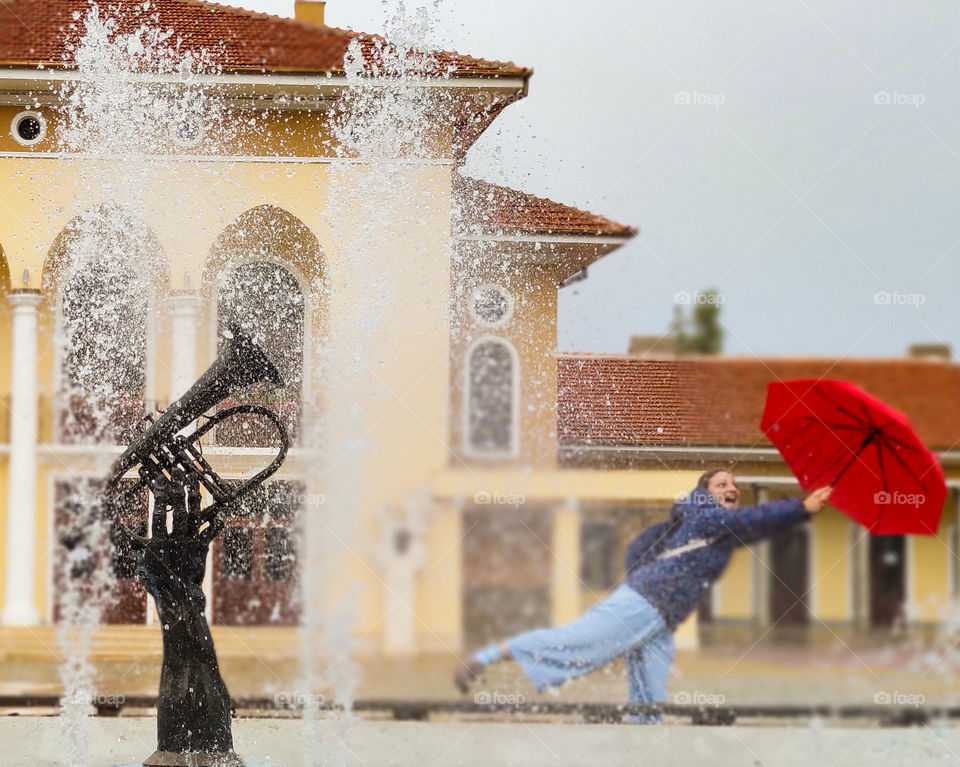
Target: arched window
column 265, row 300
column 491, row 398
column 103, row 328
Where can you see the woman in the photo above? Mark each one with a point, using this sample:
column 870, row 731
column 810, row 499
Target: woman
column 670, row 567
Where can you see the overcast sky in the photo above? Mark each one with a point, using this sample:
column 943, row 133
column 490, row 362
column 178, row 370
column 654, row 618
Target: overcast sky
column 802, row 157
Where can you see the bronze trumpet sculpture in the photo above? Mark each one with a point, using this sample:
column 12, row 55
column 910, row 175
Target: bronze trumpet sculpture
column 193, row 710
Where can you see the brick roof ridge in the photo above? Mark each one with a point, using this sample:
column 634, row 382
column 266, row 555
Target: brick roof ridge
column 718, row 359
column 239, row 11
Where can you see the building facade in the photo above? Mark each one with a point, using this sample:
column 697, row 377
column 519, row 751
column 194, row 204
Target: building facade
column 495, row 482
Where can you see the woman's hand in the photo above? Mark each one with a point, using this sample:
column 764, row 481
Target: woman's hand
column 815, row 502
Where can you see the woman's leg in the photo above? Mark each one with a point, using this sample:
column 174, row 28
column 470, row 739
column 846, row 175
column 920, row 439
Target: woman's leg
column 552, row 656
column 648, row 669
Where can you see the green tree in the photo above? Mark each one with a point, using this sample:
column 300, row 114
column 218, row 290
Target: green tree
column 701, row 332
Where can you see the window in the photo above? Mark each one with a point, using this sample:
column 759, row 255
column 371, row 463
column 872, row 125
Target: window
column 105, row 322
column 597, row 551
column 491, row 305
column 104, row 335
column 238, row 553
column 28, row 128
column 187, row 132
column 255, row 559
column 265, row 301
column 491, row 398
column 278, row 554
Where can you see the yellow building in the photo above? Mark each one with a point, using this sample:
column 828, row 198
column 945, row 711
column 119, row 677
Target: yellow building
column 492, row 485
column 135, row 240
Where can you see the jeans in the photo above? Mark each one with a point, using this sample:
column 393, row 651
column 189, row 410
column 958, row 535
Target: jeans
column 624, row 623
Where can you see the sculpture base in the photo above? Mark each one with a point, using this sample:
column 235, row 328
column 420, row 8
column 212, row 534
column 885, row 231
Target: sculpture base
column 193, row 759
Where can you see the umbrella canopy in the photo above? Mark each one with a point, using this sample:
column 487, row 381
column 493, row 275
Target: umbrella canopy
column 834, row 433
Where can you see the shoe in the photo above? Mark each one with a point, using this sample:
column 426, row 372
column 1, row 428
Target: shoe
column 467, row 673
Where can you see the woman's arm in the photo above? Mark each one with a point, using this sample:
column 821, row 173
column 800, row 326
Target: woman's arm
column 754, row 523
column 750, row 523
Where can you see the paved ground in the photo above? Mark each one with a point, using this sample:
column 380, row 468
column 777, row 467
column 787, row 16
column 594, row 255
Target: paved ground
column 764, row 675
column 33, row 742
column 736, row 673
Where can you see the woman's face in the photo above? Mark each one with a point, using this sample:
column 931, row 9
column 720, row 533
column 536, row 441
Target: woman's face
column 723, row 487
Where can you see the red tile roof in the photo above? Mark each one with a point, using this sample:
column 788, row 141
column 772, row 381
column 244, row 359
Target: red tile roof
column 36, row 32
column 702, row 401
column 491, row 209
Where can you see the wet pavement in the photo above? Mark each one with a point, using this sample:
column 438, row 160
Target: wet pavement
column 837, row 674
column 125, row 741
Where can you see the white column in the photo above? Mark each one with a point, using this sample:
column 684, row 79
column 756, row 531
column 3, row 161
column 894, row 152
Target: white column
column 400, row 554
column 20, row 606
column 565, row 588
column 860, row 567
column 184, row 309
column 761, row 568
column 399, row 617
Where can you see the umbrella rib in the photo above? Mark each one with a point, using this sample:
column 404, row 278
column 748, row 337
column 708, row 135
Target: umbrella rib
column 808, row 421
column 883, row 473
column 866, row 413
column 872, row 431
column 883, row 480
column 841, row 408
column 904, row 445
column 837, row 454
column 830, row 425
column 907, row 469
column 856, row 455
column 831, row 459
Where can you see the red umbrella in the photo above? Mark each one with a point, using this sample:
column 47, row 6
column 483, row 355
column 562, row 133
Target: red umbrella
column 834, row 433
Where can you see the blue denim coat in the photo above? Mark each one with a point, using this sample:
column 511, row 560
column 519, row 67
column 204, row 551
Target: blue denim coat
column 675, row 585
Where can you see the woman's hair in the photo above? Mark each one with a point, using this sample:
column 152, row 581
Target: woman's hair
column 707, row 476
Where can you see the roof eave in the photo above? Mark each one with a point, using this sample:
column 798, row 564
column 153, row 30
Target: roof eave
column 38, row 73
column 699, row 453
column 549, row 236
